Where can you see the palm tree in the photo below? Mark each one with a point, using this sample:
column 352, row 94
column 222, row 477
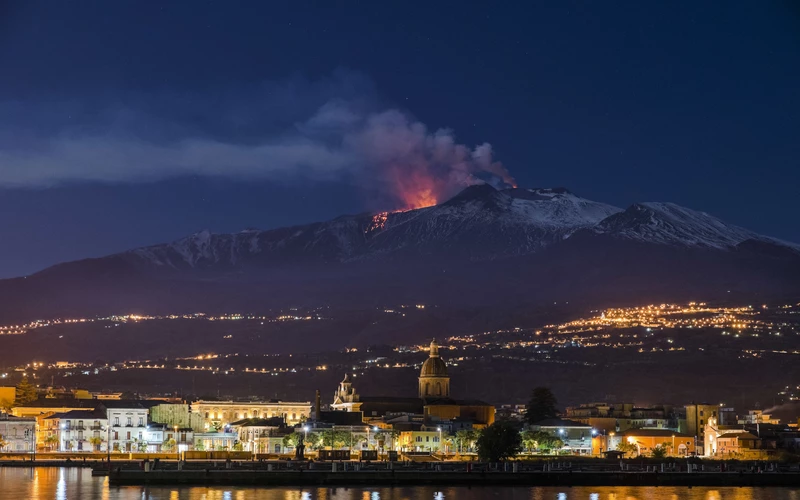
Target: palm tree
column 51, row 440
column 95, row 441
column 449, row 442
column 466, row 439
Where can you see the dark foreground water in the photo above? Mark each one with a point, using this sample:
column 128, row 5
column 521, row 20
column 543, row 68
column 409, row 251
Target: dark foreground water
column 78, row 484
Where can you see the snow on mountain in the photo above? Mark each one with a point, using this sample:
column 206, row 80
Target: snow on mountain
column 480, row 223
column 671, row 224
column 558, row 208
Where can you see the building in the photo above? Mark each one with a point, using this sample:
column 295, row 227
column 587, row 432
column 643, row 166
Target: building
column 18, row 433
column 128, row 422
column 218, row 414
column 172, row 415
column 346, row 398
column 167, row 438
column 757, row 417
column 254, row 433
column 7, row 396
column 738, row 445
column 619, row 417
column 434, row 382
column 214, row 441
column 578, row 438
column 646, row 440
column 511, row 412
column 420, row 441
column 45, row 407
column 475, row 413
column 433, row 401
column 697, row 416
column 76, row 430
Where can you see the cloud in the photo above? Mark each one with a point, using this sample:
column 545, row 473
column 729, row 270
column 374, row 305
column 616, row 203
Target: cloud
column 327, row 130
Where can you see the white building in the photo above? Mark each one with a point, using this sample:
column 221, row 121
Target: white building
column 215, row 441
column 166, row 438
column 17, row 433
column 217, row 414
column 76, row 430
column 253, row 431
column 128, row 421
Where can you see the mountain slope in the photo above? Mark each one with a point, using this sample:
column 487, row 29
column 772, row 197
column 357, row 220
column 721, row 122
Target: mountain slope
column 481, row 223
column 482, row 247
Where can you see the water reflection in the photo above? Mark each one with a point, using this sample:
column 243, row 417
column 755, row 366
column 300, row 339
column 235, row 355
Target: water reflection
column 78, row 484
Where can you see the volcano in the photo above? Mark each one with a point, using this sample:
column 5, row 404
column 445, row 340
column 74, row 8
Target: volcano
column 482, row 247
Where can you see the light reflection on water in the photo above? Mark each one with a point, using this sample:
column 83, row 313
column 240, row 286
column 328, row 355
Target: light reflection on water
column 78, row 484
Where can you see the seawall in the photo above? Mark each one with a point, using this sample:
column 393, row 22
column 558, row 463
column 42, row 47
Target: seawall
column 404, row 478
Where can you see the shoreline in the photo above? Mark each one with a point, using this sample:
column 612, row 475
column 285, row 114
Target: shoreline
column 418, row 478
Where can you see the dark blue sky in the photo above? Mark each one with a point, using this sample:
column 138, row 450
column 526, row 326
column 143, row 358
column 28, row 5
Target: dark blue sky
column 128, row 123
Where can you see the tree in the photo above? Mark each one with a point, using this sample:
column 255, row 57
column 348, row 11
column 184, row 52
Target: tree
column 540, row 440
column 498, row 442
column 659, row 451
column 291, row 440
column 628, row 448
column 449, row 441
column 466, row 439
column 238, row 446
column 51, row 440
column 541, row 406
column 313, row 440
column 3, row 442
column 169, row 444
column 25, row 393
column 95, row 441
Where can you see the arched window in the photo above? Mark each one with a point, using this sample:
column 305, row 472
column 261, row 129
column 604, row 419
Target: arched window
column 438, row 388
column 427, row 388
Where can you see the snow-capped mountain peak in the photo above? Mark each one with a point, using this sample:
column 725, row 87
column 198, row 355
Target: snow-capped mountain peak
column 482, row 222
column 668, row 223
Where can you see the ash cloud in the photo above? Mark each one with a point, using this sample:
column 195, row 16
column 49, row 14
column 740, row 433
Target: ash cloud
column 332, row 129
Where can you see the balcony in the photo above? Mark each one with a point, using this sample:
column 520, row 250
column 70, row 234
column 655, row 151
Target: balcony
column 97, row 428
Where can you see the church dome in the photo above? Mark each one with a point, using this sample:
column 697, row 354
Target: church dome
column 434, row 366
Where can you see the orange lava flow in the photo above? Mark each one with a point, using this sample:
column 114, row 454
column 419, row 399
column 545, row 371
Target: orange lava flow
column 378, row 222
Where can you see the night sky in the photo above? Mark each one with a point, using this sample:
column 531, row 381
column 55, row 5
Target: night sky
column 128, row 123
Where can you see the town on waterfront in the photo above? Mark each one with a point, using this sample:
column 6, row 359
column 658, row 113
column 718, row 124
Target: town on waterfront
column 437, row 425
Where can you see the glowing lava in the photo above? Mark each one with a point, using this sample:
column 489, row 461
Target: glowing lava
column 378, row 222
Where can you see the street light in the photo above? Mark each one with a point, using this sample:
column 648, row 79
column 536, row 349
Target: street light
column 440, row 438
column 177, row 447
column 108, row 442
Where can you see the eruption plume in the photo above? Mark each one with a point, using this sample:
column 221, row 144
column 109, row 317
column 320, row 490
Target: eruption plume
column 326, row 131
